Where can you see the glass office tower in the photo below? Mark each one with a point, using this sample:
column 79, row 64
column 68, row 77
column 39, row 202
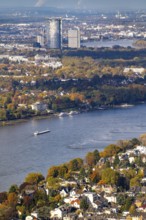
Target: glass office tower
column 54, row 33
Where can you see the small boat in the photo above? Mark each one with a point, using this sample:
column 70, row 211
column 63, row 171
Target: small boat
column 41, row 132
column 73, row 113
column 126, row 105
column 100, row 108
column 62, row 114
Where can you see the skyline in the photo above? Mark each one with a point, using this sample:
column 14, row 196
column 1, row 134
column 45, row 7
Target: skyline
column 77, row 4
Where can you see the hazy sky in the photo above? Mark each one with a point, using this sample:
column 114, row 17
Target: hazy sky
column 99, row 4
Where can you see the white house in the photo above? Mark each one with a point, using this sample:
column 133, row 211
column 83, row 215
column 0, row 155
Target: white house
column 63, row 193
column 57, row 213
column 29, row 217
column 92, row 198
column 38, row 106
column 134, row 70
column 18, row 58
column 73, row 193
column 131, row 159
column 141, row 149
column 111, row 198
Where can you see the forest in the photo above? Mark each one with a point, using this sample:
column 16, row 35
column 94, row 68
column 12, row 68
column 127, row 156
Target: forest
column 82, row 83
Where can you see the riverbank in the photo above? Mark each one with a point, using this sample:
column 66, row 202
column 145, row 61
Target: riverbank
column 17, row 121
column 57, row 114
column 13, row 122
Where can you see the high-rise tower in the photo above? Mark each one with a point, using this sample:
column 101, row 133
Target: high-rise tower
column 54, row 33
column 74, row 38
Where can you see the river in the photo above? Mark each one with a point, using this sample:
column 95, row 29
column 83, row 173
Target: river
column 73, row 136
column 110, row 43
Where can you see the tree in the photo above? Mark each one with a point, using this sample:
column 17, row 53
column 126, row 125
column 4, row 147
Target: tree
column 40, row 195
column 135, row 181
column 53, row 182
column 135, row 142
column 142, row 138
column 132, row 209
column 110, row 150
column 121, row 199
column 96, row 156
column 95, row 176
column 92, row 158
column 44, row 213
column 22, row 210
column 75, row 164
column 82, row 173
column 110, row 176
column 7, row 212
column 116, row 161
column 13, row 188
column 123, row 183
column 34, row 178
column 84, row 204
column 53, row 171
column 63, row 170
column 3, row 197
column 3, row 116
column 127, row 205
column 12, row 199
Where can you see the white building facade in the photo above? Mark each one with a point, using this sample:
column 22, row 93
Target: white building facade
column 74, row 38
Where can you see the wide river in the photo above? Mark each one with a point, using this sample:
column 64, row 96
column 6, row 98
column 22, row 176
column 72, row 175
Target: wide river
column 109, row 43
column 21, row 152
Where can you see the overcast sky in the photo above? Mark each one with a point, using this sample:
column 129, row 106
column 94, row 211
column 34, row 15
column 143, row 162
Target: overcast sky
column 99, row 4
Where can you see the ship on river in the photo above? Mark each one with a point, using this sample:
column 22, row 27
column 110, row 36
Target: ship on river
column 41, row 132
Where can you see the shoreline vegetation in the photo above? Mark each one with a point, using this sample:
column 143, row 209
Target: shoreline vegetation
column 99, row 174
column 46, row 116
column 140, row 44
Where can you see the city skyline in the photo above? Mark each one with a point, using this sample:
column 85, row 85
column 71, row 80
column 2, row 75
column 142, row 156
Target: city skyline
column 80, row 4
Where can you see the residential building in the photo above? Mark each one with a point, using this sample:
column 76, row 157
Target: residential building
column 38, row 106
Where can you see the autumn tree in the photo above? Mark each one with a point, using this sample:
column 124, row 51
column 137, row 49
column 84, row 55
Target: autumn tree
column 75, row 164
column 110, row 176
column 3, row 197
column 132, row 209
column 92, row 158
column 34, row 178
column 142, row 138
column 95, row 176
column 53, row 171
column 63, row 170
column 135, row 181
column 53, row 183
column 110, row 150
column 7, row 212
column 12, row 199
